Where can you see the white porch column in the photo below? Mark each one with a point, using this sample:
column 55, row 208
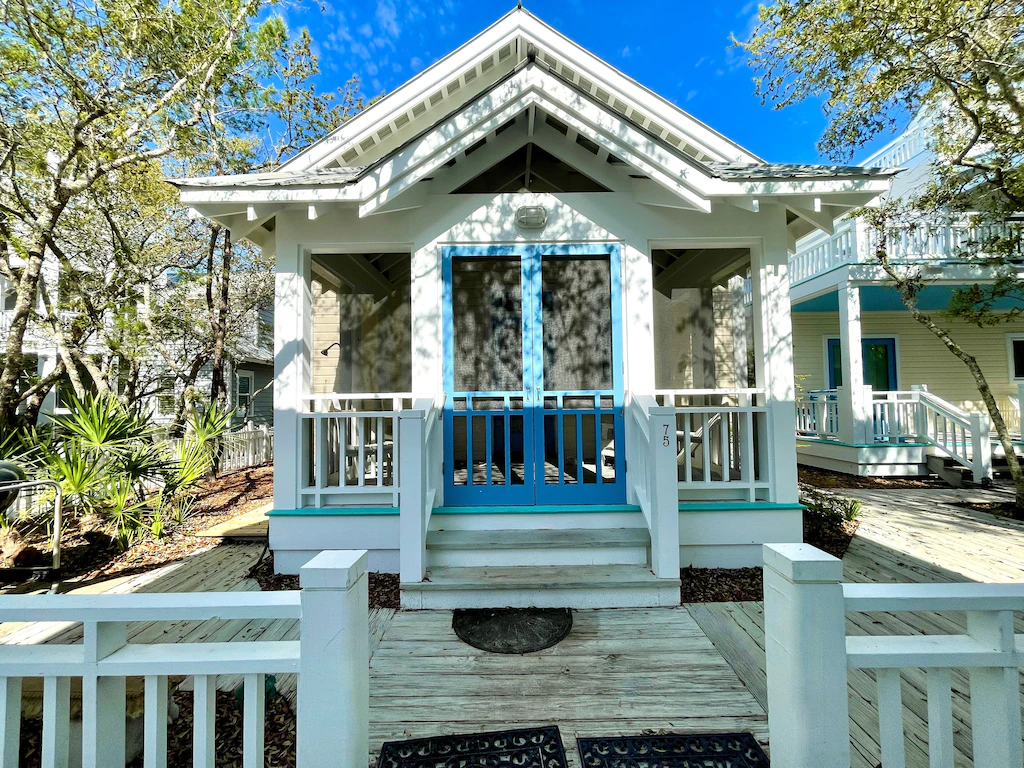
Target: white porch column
column 773, row 345
column 293, row 334
column 739, row 332
column 427, row 331
column 47, row 364
column 638, row 320
column 854, row 407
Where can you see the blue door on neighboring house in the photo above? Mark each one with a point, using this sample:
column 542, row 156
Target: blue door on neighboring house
column 879, row 363
column 533, row 375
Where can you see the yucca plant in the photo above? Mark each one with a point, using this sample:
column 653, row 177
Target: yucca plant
column 103, row 423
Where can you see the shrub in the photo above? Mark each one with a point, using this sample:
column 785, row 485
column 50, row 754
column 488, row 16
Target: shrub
column 827, row 515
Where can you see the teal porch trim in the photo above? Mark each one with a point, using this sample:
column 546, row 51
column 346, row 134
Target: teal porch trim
column 736, row 506
column 548, row 509
column 334, row 512
column 819, row 441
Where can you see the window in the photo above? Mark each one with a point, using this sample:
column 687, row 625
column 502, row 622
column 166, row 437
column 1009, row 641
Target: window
column 243, row 391
column 166, row 395
column 1015, row 355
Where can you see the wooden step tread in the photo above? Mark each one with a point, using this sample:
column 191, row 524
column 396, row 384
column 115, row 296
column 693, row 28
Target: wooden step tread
column 538, row 577
column 538, row 538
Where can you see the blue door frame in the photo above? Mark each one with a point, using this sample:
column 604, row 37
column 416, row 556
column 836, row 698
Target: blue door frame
column 538, row 409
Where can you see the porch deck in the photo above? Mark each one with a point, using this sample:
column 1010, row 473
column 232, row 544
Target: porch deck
column 904, row 536
column 620, row 671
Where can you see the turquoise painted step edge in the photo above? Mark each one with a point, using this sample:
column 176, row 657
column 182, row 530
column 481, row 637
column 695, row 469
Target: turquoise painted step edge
column 542, row 510
column 736, row 506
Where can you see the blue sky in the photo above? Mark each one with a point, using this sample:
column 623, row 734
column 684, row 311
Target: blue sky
column 681, row 50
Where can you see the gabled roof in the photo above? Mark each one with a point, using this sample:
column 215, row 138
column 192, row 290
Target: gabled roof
column 474, row 67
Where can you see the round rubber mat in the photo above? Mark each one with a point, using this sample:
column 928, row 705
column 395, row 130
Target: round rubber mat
column 512, row 630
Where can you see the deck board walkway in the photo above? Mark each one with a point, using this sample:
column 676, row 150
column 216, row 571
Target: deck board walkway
column 904, row 536
column 622, row 671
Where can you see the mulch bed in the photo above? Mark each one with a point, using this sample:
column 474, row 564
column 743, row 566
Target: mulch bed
column 89, row 554
column 833, row 541
column 997, row 508
column 384, row 587
column 826, row 478
column 721, row 585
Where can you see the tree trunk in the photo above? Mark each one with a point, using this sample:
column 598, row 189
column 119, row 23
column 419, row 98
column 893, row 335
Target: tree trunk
column 14, row 352
column 909, row 295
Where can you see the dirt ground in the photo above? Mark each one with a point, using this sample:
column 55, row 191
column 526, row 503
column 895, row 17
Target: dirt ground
column 826, row 478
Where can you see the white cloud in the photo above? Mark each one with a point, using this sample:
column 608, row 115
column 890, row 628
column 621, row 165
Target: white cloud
column 625, row 52
column 387, row 18
column 366, row 30
column 416, row 63
column 691, row 93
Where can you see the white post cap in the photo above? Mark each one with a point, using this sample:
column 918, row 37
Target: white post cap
column 333, row 569
column 803, row 563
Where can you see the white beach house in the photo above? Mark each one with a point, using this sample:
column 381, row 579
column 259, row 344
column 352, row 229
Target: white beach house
column 510, row 358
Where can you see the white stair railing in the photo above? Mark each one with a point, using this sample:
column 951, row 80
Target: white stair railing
column 331, row 659
column 651, row 473
column 421, row 482
column 808, row 655
column 965, row 437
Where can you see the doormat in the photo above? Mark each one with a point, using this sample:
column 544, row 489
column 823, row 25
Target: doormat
column 512, row 630
column 527, row 748
column 720, row 750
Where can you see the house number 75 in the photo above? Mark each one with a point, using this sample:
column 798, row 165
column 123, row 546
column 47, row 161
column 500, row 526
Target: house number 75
column 665, row 440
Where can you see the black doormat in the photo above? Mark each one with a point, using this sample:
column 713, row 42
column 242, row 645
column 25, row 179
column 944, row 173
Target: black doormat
column 713, row 750
column 526, row 748
column 512, row 630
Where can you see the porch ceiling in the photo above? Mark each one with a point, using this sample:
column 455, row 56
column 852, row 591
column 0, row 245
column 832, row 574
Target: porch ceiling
column 694, row 267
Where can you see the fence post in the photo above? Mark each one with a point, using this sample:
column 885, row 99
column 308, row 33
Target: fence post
column 333, row 718
column 412, row 476
column 103, row 698
column 805, row 646
column 663, row 487
column 981, row 447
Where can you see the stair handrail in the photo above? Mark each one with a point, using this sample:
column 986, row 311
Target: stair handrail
column 964, row 436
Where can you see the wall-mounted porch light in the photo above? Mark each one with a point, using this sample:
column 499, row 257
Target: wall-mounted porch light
column 531, row 217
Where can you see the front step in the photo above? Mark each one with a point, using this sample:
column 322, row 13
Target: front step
column 544, row 586
column 536, row 547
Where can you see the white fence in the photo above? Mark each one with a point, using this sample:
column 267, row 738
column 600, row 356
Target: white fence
column 352, row 446
column 809, row 654
column 818, row 415
column 331, row 659
column 248, row 447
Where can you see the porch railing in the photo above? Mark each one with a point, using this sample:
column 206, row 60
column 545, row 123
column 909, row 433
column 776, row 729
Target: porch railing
column 903, row 416
column 721, row 442
column 651, row 469
column 352, row 446
column 421, row 434
column 809, row 655
column 818, row 415
column 331, row 660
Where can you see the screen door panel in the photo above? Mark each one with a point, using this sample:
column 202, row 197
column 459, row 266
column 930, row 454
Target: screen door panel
column 578, row 418
column 488, row 432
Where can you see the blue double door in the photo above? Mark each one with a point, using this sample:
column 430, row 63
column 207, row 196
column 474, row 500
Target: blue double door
column 533, row 376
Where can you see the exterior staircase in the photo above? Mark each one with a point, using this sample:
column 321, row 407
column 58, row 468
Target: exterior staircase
column 539, row 567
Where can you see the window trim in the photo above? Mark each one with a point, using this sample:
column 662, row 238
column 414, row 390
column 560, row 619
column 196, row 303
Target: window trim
column 896, row 354
column 239, row 375
column 1010, row 338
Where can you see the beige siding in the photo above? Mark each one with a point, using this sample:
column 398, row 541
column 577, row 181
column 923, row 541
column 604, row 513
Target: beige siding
column 921, row 357
column 677, row 333
column 378, row 335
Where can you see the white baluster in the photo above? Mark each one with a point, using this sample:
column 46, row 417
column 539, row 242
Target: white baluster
column 204, row 721
column 890, row 719
column 56, row 721
column 254, row 720
column 155, row 722
column 940, row 719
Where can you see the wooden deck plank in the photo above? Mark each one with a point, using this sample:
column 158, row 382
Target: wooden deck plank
column 610, row 676
column 247, row 526
column 904, row 536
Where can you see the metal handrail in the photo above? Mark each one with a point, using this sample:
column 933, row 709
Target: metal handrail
column 57, row 508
